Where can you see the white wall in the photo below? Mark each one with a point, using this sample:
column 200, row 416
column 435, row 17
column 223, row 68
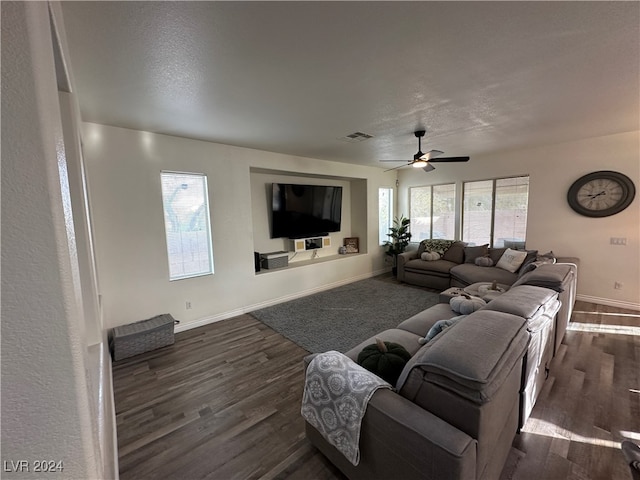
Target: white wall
column 552, row 224
column 123, row 168
column 46, row 396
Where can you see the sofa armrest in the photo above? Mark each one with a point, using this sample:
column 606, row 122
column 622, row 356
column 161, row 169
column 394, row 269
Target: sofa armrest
column 402, row 259
column 574, row 260
column 399, row 439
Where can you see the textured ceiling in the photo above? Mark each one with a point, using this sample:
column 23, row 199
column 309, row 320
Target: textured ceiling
column 297, row 77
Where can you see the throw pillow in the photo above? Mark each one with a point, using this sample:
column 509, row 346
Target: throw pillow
column 511, row 260
column 434, row 245
column 531, row 256
column 438, row 327
column 548, row 257
column 471, row 253
column 421, row 248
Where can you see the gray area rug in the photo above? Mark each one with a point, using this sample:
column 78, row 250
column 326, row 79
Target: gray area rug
column 340, row 318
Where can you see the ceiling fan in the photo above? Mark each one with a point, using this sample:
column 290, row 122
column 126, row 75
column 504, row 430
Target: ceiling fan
column 424, row 160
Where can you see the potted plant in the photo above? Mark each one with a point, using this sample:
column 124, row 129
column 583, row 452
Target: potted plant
column 399, row 236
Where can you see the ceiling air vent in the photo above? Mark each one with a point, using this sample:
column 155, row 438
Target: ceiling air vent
column 356, row 137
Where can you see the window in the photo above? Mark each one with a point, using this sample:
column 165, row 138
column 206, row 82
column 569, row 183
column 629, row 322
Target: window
column 432, row 212
column 510, row 219
column 385, row 213
column 186, row 222
column 477, row 210
column 495, row 212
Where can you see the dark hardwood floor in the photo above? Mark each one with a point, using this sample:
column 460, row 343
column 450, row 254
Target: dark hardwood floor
column 224, row 402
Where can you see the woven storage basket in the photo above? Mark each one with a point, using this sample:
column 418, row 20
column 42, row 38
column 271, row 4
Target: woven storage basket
column 275, row 260
column 143, row 336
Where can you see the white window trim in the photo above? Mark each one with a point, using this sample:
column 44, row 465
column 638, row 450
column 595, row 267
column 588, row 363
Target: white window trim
column 457, row 202
column 493, row 201
column 392, row 201
column 207, row 217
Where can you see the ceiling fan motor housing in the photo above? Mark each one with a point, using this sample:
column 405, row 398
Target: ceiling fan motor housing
column 419, row 134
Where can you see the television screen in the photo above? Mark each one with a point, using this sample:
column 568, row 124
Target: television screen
column 300, row 211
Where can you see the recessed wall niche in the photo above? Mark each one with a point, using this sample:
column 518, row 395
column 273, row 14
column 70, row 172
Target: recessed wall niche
column 354, row 212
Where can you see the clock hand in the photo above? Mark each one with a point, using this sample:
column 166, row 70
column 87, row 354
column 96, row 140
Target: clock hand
column 597, row 194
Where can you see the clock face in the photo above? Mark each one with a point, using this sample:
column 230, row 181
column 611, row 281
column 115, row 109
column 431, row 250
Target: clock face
column 600, row 194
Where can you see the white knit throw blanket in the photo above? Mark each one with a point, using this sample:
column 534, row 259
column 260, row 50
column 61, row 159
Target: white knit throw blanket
column 336, row 393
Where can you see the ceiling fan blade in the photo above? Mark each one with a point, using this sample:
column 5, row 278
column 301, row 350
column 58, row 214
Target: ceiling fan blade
column 450, row 159
column 428, row 168
column 395, row 168
column 430, row 154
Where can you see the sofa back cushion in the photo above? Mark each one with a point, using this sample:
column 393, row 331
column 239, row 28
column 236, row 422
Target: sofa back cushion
column 525, row 301
column 455, row 253
column 496, row 253
column 471, row 253
column 471, row 358
column 554, row 276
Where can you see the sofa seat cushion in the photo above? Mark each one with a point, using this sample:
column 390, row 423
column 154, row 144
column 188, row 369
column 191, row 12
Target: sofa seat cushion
column 436, row 267
column 492, row 342
column 468, row 273
column 421, row 322
column 407, row 339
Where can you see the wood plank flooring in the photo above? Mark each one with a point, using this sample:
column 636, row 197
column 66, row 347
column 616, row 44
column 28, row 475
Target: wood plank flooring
column 224, row 403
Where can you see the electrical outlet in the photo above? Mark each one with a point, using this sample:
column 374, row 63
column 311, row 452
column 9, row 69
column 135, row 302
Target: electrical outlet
column 618, row 241
column 187, row 305
column 617, row 285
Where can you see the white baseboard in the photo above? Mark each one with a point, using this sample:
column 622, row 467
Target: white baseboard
column 609, row 302
column 200, row 322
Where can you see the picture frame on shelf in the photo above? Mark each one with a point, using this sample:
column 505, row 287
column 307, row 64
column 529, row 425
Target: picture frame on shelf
column 352, row 244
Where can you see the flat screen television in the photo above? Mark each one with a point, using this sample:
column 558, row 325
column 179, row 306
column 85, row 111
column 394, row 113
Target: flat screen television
column 299, row 211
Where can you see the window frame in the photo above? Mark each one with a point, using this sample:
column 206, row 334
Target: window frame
column 207, row 223
column 431, row 197
column 382, row 236
column 494, row 182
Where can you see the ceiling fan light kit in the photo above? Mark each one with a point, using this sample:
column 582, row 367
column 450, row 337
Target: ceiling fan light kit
column 419, row 163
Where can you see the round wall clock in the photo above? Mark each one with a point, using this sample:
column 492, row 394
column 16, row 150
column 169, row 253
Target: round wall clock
column 600, row 194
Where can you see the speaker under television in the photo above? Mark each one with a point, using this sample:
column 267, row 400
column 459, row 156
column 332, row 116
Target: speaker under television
column 256, row 260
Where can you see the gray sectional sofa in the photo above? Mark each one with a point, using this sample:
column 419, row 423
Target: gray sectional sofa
column 463, row 396
column 456, row 267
